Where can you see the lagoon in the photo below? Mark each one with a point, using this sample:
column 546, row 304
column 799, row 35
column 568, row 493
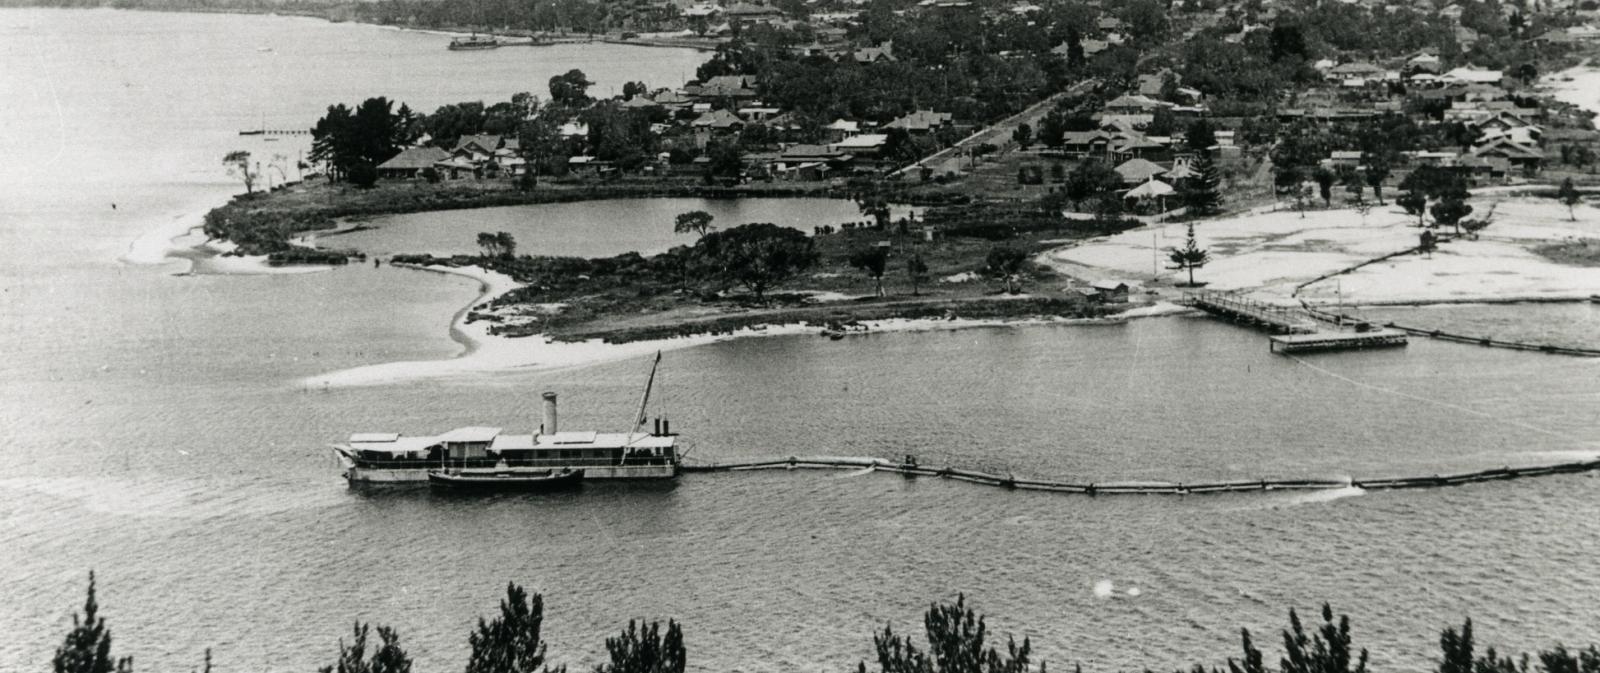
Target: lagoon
column 586, row 229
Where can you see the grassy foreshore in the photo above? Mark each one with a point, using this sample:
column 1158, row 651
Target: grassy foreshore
column 630, row 297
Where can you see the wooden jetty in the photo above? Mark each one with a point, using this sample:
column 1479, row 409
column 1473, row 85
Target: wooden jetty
column 910, row 468
column 1292, row 329
column 275, row 132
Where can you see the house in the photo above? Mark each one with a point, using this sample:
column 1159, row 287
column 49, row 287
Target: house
column 476, row 148
column 863, row 145
column 1519, row 155
column 841, row 129
column 1085, row 144
column 1135, row 146
column 724, row 86
column 1134, row 105
column 1355, row 73
column 1137, row 171
column 922, row 121
column 880, row 54
column 745, row 14
column 1110, row 291
column 1338, row 159
column 411, row 161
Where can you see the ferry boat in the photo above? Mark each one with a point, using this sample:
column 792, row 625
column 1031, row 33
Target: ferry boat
column 474, row 42
column 392, row 458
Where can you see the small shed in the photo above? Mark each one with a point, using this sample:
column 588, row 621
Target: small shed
column 1110, row 291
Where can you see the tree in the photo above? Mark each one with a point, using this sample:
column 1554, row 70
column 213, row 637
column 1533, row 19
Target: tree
column 1427, row 242
column 571, row 88
column 1449, row 211
column 1326, row 651
column 1457, row 650
column 1204, row 196
column 1569, row 196
column 1005, row 263
column 506, row 243
column 1251, row 661
column 873, row 260
column 371, row 134
column 646, row 650
column 917, row 269
column 1200, row 136
column 875, row 206
column 1190, row 257
column 1415, row 203
column 1023, row 135
column 956, row 644
column 1091, row 178
column 696, row 222
column 510, row 643
column 1377, row 172
column 759, row 256
column 1053, row 129
column 238, row 163
column 363, row 175
column 87, row 647
column 490, row 244
column 389, row 657
column 1324, row 178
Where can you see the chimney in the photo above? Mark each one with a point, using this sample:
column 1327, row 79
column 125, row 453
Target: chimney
column 548, row 427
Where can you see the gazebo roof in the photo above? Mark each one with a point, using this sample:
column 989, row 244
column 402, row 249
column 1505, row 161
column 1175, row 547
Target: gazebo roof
column 1150, row 189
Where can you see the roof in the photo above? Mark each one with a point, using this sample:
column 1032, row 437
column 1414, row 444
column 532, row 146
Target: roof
column 1180, row 172
column 1139, row 170
column 1510, row 150
column 414, row 158
column 863, row 141
column 469, row 434
column 717, row 119
column 374, row 437
column 747, row 9
column 726, row 85
column 398, row 445
column 814, row 152
column 1356, row 68
column 1138, row 102
column 639, row 102
column 844, row 125
column 581, row 440
column 1109, row 285
column 1474, row 75
column 1150, row 189
column 485, row 141
column 921, row 120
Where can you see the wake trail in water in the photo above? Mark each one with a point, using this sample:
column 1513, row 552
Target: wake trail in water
column 1438, row 403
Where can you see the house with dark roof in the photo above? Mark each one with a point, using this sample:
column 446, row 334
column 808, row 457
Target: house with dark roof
column 411, row 161
column 1518, row 154
column 724, row 86
column 883, row 53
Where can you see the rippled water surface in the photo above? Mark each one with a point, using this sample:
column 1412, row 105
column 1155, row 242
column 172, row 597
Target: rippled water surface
column 152, row 429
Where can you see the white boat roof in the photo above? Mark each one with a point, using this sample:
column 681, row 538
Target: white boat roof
column 397, row 445
column 581, row 440
column 470, row 434
column 366, row 437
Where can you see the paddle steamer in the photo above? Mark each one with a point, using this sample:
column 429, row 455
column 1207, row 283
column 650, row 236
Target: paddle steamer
column 382, row 457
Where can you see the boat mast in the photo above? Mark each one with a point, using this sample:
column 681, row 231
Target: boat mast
column 645, row 399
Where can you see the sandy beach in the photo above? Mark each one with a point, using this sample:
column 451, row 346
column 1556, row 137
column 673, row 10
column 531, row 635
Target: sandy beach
column 1268, row 254
column 485, row 353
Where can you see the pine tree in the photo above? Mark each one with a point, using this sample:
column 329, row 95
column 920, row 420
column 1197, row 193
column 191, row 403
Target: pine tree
column 1191, row 256
column 87, row 648
column 510, row 643
column 1204, row 196
column 388, row 657
column 646, row 650
column 1326, row 651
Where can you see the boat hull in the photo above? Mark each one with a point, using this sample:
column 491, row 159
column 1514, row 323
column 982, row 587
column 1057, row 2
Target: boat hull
column 506, row 481
column 418, row 476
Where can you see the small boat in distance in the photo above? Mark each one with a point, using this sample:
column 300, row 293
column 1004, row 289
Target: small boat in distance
column 494, row 480
column 469, row 456
column 475, row 41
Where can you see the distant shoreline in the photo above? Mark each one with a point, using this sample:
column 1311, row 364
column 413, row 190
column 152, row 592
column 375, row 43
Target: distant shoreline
column 330, row 14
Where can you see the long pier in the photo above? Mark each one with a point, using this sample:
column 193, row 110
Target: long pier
column 1292, row 329
column 910, row 468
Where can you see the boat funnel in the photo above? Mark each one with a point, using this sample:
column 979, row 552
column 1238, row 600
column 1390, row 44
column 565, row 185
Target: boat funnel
column 548, row 427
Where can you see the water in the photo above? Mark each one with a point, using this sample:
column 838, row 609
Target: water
column 590, row 229
column 1572, row 325
column 152, row 429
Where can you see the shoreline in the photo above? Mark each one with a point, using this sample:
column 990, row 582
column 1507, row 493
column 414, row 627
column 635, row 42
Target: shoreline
column 574, row 39
column 484, row 353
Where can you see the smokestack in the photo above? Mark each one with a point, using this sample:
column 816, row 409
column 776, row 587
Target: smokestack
column 549, row 425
